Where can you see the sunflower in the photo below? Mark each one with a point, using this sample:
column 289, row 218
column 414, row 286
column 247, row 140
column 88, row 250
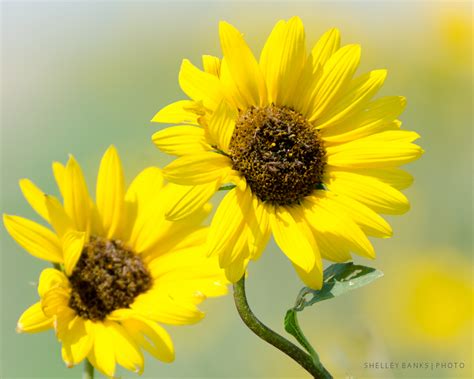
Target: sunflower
column 121, row 268
column 313, row 157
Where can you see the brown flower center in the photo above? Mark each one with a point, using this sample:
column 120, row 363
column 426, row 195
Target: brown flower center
column 107, row 277
column 280, row 154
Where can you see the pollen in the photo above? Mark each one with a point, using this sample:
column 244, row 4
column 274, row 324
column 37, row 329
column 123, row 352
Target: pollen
column 279, row 152
column 107, row 277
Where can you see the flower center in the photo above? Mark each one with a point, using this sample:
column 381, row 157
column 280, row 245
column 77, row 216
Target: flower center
column 107, row 277
column 279, row 153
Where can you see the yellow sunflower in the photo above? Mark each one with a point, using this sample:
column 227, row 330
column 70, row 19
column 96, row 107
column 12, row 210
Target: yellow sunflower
column 313, row 157
column 122, row 269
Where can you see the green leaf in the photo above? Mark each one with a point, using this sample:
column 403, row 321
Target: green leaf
column 339, row 278
column 227, row 187
column 292, row 326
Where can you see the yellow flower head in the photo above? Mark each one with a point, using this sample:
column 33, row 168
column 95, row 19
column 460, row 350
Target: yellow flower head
column 125, row 269
column 314, row 158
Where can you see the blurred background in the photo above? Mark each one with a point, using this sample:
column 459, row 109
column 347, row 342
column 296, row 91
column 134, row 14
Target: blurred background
column 79, row 76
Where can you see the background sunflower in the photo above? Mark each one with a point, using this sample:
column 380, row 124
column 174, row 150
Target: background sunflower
column 120, row 269
column 69, row 85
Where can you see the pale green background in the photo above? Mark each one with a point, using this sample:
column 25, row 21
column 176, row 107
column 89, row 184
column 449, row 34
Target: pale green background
column 77, row 77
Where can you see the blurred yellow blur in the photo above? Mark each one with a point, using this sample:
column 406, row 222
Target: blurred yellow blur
column 430, row 305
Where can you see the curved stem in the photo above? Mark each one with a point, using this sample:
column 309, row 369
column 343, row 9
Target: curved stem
column 268, row 335
column 88, row 370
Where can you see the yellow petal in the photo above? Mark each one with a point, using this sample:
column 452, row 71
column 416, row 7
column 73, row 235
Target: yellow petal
column 326, row 46
column 198, row 168
column 394, row 177
column 282, row 59
column 292, row 240
column 33, row 320
column 35, row 197
column 369, row 191
column 338, row 224
column 55, row 301
column 238, row 252
column 152, row 231
column 230, row 89
column 143, row 190
column 258, row 219
column 222, row 124
column 333, row 248
column 50, row 278
column 73, row 243
column 331, row 240
column 127, row 351
column 312, row 279
column 146, row 186
column 242, row 65
column 76, row 196
column 377, row 116
column 399, row 136
column 228, row 225
column 110, row 193
column 181, row 140
column 77, row 339
column 306, row 83
column 236, row 270
column 185, row 200
column 371, row 153
column 199, row 85
column 151, row 337
column 311, row 73
column 369, row 221
column 34, row 238
column 59, row 174
column 179, row 112
column 102, row 354
column 183, row 236
column 96, row 228
column 359, row 92
column 211, row 64
column 304, row 226
column 184, row 272
column 336, row 74
column 148, row 226
column 359, row 132
column 60, row 221
column 161, row 307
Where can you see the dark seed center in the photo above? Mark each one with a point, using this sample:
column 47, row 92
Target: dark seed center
column 280, row 154
column 106, row 277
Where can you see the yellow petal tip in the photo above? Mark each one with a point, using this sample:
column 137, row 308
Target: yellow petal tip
column 296, row 19
column 69, row 364
column 199, row 295
column 23, row 180
column 223, row 23
column 403, row 101
column 382, row 73
column 111, row 148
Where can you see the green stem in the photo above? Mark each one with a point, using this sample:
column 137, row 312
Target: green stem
column 268, row 335
column 88, row 370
